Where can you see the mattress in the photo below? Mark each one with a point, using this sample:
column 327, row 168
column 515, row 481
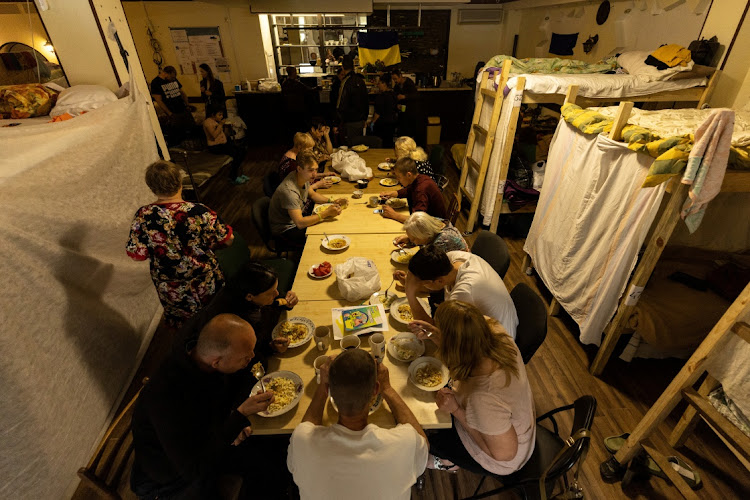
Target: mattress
column 602, row 85
column 37, row 120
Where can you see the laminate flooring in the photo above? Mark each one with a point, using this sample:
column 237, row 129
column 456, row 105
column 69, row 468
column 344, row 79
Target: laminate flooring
column 558, row 374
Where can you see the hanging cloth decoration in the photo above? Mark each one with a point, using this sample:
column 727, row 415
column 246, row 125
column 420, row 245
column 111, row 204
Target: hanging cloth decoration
column 379, row 46
column 562, row 45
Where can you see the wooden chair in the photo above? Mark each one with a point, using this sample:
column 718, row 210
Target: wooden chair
column 105, row 469
column 453, row 210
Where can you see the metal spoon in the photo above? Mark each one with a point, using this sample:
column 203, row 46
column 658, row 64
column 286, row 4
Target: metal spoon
column 324, row 234
column 259, row 372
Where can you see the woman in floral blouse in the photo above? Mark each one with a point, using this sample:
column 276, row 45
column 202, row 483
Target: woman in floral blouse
column 179, row 238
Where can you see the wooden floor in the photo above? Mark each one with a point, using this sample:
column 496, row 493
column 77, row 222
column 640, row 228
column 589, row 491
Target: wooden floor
column 558, row 374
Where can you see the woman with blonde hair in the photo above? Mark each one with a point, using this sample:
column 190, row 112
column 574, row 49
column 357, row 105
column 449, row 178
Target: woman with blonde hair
column 422, row 229
column 406, row 148
column 302, row 142
column 491, row 402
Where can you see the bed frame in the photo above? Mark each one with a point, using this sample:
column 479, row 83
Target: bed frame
column 734, row 182
column 701, row 95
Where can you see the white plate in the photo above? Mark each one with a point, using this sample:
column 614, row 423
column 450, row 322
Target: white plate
column 427, row 360
column 360, row 148
column 375, row 301
column 300, row 387
column 396, row 254
column 385, row 166
column 320, row 208
column 373, row 408
column 403, row 300
column 325, row 241
column 316, row 277
column 389, row 182
column 413, row 342
column 297, row 319
column 333, row 178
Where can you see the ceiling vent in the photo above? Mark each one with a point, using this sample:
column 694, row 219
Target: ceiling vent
column 480, row 16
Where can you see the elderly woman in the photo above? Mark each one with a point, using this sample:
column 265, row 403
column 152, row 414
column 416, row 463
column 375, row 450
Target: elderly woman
column 406, row 148
column 423, row 229
column 491, row 402
column 179, row 239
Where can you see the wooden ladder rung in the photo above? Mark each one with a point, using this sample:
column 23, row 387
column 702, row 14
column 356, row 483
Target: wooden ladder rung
column 479, row 130
column 529, row 208
column 472, row 163
column 467, row 194
column 742, row 330
column 723, row 426
column 490, row 93
column 672, row 474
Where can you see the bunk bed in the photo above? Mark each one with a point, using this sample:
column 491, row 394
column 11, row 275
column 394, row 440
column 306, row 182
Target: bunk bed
column 594, row 213
column 502, row 91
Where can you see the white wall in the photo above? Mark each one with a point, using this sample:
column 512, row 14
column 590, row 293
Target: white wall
column 15, row 28
column 238, row 28
column 471, row 43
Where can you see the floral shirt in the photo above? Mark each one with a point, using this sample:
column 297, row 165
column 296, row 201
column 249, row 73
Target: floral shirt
column 320, row 149
column 179, row 240
column 424, row 167
column 449, row 239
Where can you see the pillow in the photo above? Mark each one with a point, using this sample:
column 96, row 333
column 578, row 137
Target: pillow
column 80, row 98
column 26, row 101
column 698, row 71
column 633, row 63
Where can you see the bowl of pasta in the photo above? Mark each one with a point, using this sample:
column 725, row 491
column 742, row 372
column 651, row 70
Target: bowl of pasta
column 298, row 330
column 401, row 310
column 335, row 242
column 287, row 388
column 405, row 347
column 428, row 374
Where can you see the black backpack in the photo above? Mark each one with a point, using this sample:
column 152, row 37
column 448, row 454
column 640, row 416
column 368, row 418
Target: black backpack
column 703, row 51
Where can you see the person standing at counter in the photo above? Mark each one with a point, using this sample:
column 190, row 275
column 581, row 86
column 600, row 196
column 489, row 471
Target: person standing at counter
column 408, row 102
column 353, row 104
column 385, row 117
column 296, row 96
column 212, row 90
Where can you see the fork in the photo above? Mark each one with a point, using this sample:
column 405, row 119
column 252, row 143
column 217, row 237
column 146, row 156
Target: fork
column 389, row 287
column 324, row 234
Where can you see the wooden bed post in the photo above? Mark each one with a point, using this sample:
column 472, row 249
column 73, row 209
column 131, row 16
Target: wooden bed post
column 621, row 119
column 688, row 420
column 571, row 94
column 709, row 89
column 507, row 150
column 472, row 138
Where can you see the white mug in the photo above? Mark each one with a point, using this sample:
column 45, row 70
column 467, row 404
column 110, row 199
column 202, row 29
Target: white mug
column 319, row 361
column 350, row 342
column 377, row 346
column 322, row 338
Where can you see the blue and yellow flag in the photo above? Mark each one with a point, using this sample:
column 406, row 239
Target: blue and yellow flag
column 379, row 46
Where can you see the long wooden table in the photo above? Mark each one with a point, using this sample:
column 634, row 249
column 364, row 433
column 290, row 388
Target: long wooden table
column 300, row 361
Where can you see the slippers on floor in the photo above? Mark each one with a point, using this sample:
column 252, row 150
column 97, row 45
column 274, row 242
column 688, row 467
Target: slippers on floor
column 614, row 443
column 438, row 464
column 691, row 477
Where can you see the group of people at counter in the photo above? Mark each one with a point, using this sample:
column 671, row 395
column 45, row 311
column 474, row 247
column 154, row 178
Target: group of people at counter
column 190, row 424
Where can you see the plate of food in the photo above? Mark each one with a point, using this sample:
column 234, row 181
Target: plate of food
column 320, row 208
column 298, row 330
column 429, row 374
column 360, row 148
column 375, row 402
column 287, row 388
column 396, row 202
column 385, row 166
column 320, row 271
column 335, row 242
column 403, row 256
column 388, row 182
column 333, row 178
column 405, row 347
column 401, row 310
column 381, row 298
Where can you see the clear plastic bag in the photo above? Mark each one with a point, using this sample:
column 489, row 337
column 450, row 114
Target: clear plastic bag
column 358, row 278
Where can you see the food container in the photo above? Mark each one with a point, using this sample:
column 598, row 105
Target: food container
column 373, row 202
column 362, row 183
column 357, row 194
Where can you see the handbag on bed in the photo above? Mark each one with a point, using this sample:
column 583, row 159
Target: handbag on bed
column 703, row 51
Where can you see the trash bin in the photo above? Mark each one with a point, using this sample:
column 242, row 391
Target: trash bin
column 433, row 130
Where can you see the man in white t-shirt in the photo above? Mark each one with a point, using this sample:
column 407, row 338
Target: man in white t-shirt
column 351, row 458
column 464, row 276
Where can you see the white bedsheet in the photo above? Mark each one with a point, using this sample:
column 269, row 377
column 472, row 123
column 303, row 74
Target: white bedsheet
column 590, row 222
column 37, row 120
column 730, row 365
column 602, row 85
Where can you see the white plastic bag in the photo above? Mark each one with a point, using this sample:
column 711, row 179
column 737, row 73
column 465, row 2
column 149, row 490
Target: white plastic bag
column 357, row 278
column 350, row 165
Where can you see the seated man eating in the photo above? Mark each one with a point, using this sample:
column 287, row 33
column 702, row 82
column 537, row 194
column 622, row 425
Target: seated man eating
column 351, row 458
column 463, row 276
column 285, row 212
column 191, row 419
column 420, row 190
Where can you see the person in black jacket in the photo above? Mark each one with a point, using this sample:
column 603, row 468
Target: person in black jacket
column 408, row 103
column 385, row 116
column 353, row 105
column 212, row 90
column 190, row 423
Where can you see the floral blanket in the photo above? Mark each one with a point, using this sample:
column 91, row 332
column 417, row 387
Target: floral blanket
column 551, row 65
column 26, row 101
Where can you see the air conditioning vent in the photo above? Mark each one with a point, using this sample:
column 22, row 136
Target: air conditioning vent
column 480, row 16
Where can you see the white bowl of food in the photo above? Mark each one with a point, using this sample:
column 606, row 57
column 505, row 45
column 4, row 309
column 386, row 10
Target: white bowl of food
column 403, row 256
column 381, row 298
column 287, row 388
column 401, row 310
column 405, row 347
column 360, row 148
column 320, row 271
column 428, row 374
column 336, row 242
column 385, row 166
column 320, row 208
column 388, row 182
column 335, row 179
column 375, row 403
column 299, row 330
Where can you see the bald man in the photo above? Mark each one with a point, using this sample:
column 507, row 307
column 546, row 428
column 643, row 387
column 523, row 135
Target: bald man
column 191, row 421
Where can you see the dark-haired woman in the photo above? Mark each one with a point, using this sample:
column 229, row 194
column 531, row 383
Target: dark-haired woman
column 212, row 90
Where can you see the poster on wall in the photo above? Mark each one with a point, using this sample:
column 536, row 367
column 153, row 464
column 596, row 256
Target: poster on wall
column 195, row 46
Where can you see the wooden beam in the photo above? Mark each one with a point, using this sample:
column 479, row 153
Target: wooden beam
column 723, row 426
column 655, row 247
column 621, row 119
column 685, row 378
column 736, row 182
column 742, row 330
column 472, row 137
column 492, row 94
column 675, row 478
column 554, row 307
column 690, row 417
column 480, row 130
column 709, row 90
column 472, row 164
column 571, row 94
column 526, row 264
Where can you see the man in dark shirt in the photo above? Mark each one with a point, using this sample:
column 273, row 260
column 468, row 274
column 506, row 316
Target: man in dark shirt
column 169, row 98
column 298, row 100
column 407, row 97
column 353, row 102
column 420, row 190
column 191, row 420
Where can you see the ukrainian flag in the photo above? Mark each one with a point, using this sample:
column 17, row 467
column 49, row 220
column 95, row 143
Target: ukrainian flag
column 379, row 46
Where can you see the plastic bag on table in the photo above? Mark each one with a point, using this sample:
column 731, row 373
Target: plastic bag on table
column 350, row 165
column 358, row 278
